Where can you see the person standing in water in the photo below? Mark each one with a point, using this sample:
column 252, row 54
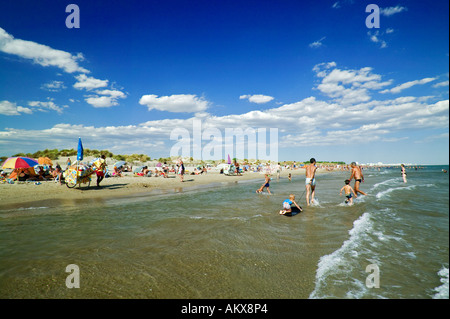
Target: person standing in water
column 359, row 178
column 310, row 181
column 403, row 173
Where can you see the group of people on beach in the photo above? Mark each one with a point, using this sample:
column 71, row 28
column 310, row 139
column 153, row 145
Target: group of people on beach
column 310, row 187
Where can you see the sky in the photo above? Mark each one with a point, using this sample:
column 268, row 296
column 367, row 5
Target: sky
column 134, row 73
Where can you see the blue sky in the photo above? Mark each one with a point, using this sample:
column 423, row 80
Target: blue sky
column 135, row 70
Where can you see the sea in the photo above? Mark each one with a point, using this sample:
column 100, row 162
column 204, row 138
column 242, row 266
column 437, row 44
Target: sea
column 225, row 241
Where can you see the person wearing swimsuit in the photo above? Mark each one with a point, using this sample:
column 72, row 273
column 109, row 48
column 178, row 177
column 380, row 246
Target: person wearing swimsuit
column 359, row 178
column 404, row 173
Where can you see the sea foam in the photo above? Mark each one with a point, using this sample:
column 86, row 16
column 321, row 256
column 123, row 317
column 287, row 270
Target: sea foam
column 442, row 292
column 335, row 262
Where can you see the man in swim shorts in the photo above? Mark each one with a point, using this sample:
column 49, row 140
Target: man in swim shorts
column 358, row 175
column 310, row 181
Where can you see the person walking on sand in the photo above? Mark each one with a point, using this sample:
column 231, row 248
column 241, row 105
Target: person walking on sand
column 100, row 165
column 310, row 181
column 403, row 173
column 358, row 176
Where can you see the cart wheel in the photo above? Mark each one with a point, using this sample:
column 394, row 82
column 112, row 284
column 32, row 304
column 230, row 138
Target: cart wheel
column 71, row 184
column 88, row 184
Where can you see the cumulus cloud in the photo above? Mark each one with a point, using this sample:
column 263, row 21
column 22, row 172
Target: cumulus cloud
column 348, row 109
column 88, row 82
column 102, row 98
column 10, row 108
column 177, row 103
column 407, row 85
column 347, row 86
column 107, row 98
column 300, row 121
column 40, row 54
column 257, row 98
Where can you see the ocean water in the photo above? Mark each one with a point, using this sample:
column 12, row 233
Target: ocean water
column 225, row 241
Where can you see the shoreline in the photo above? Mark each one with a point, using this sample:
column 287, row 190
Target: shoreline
column 48, row 193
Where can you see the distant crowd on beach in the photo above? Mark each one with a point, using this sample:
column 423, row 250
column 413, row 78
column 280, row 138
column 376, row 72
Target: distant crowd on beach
column 98, row 167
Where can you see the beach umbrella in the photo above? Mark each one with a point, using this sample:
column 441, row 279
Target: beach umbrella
column 159, row 164
column 80, row 150
column 45, row 161
column 19, row 162
column 229, row 159
column 120, row 164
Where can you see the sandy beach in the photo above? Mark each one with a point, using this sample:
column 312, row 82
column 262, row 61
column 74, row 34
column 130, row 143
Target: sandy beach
column 22, row 194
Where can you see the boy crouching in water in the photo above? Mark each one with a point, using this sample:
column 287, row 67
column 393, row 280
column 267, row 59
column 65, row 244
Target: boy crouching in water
column 287, row 205
column 348, row 192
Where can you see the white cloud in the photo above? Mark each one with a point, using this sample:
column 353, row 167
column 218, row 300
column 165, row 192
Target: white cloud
column 347, row 86
column 440, row 84
column 178, row 103
column 40, row 54
column 307, row 122
column 54, row 86
column 257, row 98
column 9, row 108
column 317, row 44
column 392, row 10
column 88, row 82
column 108, row 99
column 407, row 85
column 375, row 37
column 347, row 110
column 116, row 94
column 389, row 30
column 101, row 101
column 45, row 106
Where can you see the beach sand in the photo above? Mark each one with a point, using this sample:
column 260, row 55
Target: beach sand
column 24, row 194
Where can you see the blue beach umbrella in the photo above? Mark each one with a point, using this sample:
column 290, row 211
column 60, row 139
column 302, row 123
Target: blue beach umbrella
column 80, row 150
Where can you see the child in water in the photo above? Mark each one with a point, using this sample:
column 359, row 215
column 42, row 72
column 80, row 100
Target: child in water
column 287, row 205
column 348, row 192
column 266, row 185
